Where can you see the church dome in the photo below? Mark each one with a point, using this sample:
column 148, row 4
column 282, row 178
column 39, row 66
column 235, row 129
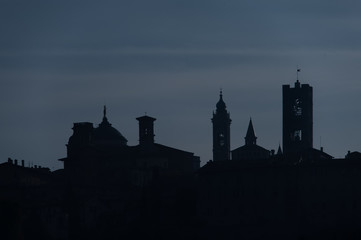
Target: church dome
column 106, row 134
column 221, row 104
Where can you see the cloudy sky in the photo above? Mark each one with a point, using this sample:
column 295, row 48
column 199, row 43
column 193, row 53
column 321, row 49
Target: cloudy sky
column 61, row 61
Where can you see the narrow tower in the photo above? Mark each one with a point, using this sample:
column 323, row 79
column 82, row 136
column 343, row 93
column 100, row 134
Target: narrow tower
column 221, row 131
column 297, row 118
column 146, row 130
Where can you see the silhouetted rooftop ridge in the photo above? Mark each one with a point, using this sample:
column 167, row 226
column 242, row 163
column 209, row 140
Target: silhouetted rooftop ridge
column 146, row 117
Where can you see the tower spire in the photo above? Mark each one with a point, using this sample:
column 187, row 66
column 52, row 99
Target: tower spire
column 105, row 112
column 221, row 131
column 250, row 136
column 221, row 106
column 105, row 120
column 279, row 151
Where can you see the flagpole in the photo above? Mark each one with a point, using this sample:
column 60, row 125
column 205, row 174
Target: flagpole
column 298, row 70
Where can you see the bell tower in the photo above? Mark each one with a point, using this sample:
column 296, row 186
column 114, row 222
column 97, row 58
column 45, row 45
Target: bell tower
column 221, row 131
column 297, row 117
column 146, row 130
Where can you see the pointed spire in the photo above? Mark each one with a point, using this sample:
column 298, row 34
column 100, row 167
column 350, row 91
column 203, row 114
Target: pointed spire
column 220, row 104
column 221, row 95
column 105, row 120
column 279, row 151
column 250, row 136
column 105, row 111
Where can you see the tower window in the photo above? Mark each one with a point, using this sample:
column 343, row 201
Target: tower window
column 296, row 136
column 297, row 108
column 221, row 139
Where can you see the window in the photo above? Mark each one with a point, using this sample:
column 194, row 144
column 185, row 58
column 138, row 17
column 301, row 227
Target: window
column 297, row 108
column 221, row 139
column 297, row 135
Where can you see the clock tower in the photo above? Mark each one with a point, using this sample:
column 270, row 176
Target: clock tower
column 221, row 131
column 297, row 118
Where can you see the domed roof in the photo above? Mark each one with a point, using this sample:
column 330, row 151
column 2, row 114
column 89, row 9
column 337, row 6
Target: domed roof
column 221, row 104
column 106, row 134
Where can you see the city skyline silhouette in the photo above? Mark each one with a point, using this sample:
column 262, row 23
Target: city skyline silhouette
column 110, row 189
column 170, row 60
column 236, row 135
column 183, row 119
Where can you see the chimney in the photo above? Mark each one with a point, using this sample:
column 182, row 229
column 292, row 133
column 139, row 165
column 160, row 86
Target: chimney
column 22, row 163
column 321, row 149
column 35, row 166
column 16, row 162
column 10, row 161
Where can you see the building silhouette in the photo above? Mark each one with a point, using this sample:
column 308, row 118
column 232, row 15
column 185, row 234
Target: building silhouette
column 297, row 118
column 110, row 190
column 32, row 202
column 101, row 153
column 300, row 193
column 146, row 130
column 250, row 150
column 221, row 131
column 112, row 185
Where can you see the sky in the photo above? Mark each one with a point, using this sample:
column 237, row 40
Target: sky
column 61, row 61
